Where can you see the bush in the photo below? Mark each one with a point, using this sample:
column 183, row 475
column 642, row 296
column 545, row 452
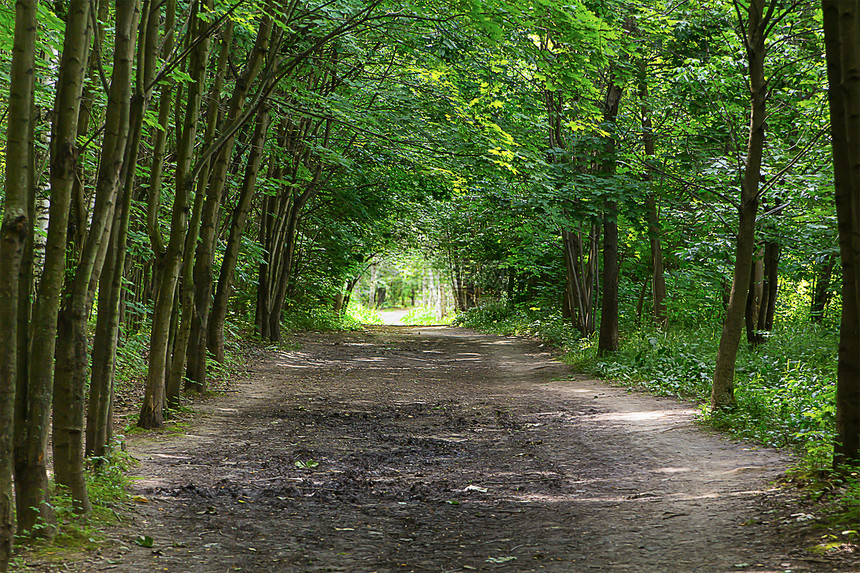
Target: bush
column 499, row 317
column 421, row 316
column 357, row 314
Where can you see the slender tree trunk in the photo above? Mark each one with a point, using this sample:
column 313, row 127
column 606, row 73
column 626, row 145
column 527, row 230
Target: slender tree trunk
column 608, row 338
column 769, row 288
column 658, row 281
column 110, row 292
column 722, row 393
column 204, row 259
column 104, row 349
column 165, row 103
column 188, row 287
column 176, row 366
column 31, row 478
column 842, row 43
column 13, row 238
column 754, row 298
column 151, row 414
column 234, row 242
column 72, row 351
column 821, row 288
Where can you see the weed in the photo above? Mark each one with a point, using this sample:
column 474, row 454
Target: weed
column 421, row 316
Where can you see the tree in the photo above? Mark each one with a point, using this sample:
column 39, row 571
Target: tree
column 151, row 414
column 759, row 21
column 13, row 236
column 72, row 348
column 33, row 401
column 842, row 41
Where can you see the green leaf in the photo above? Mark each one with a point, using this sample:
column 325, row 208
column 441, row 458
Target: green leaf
column 144, row 540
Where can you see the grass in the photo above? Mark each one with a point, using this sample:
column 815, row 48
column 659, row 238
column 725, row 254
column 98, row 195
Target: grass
column 422, row 316
column 785, row 391
column 107, row 486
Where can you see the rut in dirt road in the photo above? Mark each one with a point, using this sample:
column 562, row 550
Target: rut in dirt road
column 439, row 449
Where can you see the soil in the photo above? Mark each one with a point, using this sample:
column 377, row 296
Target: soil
column 440, row 449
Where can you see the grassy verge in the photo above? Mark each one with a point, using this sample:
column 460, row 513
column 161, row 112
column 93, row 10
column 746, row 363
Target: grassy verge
column 785, row 391
column 108, row 489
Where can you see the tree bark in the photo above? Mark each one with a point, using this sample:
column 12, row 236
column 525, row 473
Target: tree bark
column 658, row 280
column 177, row 365
column 31, row 479
column 842, row 43
column 110, row 292
column 13, row 238
column 204, row 258
column 821, row 290
column 608, row 337
column 722, row 393
column 754, row 298
column 151, row 413
column 72, row 352
column 234, row 241
column 769, row 288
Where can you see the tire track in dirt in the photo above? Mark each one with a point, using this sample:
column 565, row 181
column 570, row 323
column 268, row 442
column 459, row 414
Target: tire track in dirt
column 439, row 449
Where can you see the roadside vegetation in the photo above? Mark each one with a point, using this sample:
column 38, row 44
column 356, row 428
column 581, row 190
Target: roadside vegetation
column 785, row 388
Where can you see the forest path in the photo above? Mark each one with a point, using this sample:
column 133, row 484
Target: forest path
column 440, row 449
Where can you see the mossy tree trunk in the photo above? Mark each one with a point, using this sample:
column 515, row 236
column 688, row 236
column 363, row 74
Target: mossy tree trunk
column 14, row 231
column 34, row 511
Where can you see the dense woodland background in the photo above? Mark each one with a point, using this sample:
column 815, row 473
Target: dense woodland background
column 647, row 184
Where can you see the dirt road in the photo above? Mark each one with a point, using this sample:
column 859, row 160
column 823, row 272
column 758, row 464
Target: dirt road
column 439, row 449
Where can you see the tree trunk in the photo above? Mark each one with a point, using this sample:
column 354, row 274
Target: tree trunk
column 754, row 298
column 842, row 43
column 769, row 288
column 153, row 203
column 204, row 259
column 13, row 238
column 608, row 338
column 658, row 280
column 31, row 479
column 234, row 242
column 188, row 312
column 110, row 292
column 72, row 351
column 722, row 393
column 151, row 413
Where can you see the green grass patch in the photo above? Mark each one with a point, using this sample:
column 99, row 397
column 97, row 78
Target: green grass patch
column 108, row 487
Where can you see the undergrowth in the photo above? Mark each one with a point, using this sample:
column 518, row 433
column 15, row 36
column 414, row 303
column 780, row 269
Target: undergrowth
column 785, row 388
column 422, row 316
column 108, row 490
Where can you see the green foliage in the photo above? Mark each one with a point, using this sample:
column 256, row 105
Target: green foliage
column 420, row 316
column 785, row 389
column 131, row 356
column 315, row 319
column 358, row 314
column 107, row 484
column 500, row 317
